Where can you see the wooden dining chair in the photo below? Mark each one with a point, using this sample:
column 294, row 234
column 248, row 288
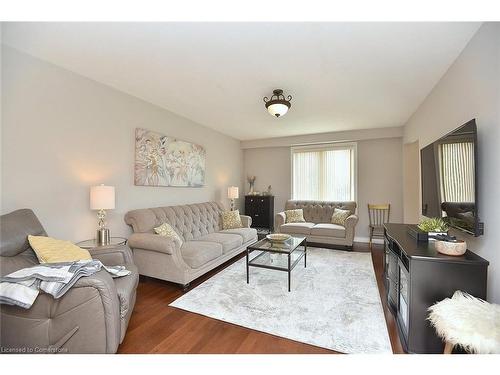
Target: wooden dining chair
column 378, row 215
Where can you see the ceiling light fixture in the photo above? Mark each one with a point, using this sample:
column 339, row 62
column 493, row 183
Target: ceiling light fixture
column 277, row 105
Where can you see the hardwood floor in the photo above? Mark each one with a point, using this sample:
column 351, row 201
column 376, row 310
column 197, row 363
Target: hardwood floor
column 157, row 328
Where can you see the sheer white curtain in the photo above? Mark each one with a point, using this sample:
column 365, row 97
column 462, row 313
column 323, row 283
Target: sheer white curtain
column 325, row 173
column 456, row 161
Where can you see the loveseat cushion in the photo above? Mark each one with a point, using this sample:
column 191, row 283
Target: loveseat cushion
column 198, row 253
column 328, row 230
column 295, row 216
column 247, row 234
column 297, row 228
column 320, row 211
column 340, row 216
column 228, row 241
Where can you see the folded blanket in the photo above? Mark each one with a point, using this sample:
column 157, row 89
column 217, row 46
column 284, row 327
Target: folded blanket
column 21, row 287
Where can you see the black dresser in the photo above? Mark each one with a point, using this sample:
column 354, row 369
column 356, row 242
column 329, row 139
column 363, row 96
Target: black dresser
column 261, row 209
column 417, row 276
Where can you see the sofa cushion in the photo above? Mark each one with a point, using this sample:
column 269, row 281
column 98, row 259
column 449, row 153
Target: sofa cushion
column 297, row 228
column 166, row 230
column 231, row 220
column 328, row 230
column 248, row 234
column 189, row 221
column 198, row 253
column 227, row 240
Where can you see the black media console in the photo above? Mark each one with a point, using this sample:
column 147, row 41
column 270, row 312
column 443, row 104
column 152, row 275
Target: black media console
column 417, row 276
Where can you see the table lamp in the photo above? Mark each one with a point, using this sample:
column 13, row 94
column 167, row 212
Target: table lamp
column 102, row 198
column 232, row 194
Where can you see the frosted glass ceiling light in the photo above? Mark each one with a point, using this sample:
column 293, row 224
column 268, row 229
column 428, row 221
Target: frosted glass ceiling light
column 277, row 105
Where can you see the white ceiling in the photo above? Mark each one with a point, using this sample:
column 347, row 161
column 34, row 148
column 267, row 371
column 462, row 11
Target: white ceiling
column 342, row 76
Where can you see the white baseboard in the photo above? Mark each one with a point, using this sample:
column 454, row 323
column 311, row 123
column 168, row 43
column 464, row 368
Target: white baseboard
column 379, row 241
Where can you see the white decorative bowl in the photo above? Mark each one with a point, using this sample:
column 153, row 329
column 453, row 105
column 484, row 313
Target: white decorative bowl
column 278, row 237
column 451, row 248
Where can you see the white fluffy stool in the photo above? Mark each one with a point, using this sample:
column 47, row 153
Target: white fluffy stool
column 468, row 322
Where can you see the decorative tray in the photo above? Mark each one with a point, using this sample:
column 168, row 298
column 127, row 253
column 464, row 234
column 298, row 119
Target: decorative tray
column 278, row 237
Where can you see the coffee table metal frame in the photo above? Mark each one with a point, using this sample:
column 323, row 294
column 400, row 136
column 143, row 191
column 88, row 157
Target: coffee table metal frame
column 283, row 251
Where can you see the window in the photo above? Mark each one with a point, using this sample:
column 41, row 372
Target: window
column 326, row 172
column 456, row 163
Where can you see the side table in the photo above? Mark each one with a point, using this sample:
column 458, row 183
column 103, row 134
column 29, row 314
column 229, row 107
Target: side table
column 116, row 252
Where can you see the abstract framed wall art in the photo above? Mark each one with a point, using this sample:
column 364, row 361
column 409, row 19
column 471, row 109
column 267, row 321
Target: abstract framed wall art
column 161, row 160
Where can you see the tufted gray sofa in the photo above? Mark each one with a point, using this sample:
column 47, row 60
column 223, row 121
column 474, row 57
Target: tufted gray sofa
column 204, row 244
column 318, row 227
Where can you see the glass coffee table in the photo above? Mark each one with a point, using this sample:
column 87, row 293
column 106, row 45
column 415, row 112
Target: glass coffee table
column 282, row 256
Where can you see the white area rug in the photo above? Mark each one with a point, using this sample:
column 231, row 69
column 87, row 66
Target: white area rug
column 334, row 302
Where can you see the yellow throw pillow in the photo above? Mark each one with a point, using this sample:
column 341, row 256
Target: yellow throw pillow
column 166, row 230
column 50, row 250
column 231, row 220
column 294, row 216
column 339, row 216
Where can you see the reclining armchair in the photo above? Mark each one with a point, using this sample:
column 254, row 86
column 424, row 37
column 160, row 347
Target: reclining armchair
column 92, row 317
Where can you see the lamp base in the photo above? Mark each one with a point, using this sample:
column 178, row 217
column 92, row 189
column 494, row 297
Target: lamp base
column 102, row 237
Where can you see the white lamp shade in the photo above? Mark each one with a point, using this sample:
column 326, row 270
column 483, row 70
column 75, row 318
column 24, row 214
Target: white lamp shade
column 102, row 197
column 277, row 109
column 232, row 192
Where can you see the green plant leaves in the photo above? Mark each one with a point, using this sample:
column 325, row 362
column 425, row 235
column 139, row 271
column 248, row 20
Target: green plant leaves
column 433, row 224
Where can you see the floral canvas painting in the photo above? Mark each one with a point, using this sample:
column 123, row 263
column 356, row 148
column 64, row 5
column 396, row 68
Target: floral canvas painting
column 161, row 160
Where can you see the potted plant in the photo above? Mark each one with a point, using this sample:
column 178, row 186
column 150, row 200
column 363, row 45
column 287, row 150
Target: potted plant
column 433, row 226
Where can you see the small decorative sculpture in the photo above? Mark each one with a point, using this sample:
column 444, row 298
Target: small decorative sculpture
column 251, row 182
column 269, row 190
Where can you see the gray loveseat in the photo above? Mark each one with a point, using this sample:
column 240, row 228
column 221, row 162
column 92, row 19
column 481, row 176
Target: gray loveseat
column 317, row 227
column 204, row 244
column 92, row 317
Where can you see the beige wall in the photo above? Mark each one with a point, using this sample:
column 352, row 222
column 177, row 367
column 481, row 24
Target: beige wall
column 338, row 136
column 379, row 176
column 411, row 182
column 471, row 89
column 63, row 133
column 271, row 166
